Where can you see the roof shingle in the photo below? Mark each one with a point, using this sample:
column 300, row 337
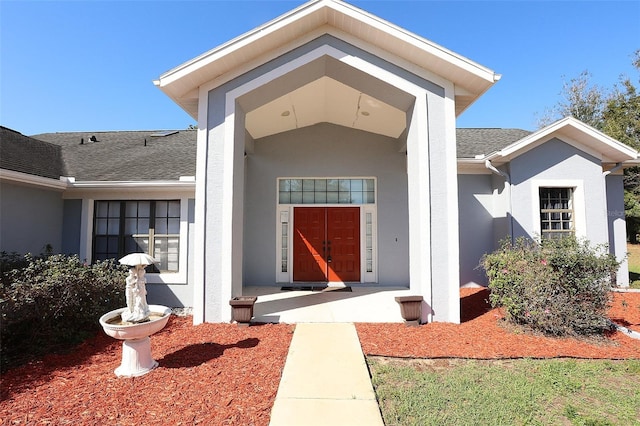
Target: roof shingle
column 21, row 153
column 139, row 156
column 126, row 155
column 472, row 142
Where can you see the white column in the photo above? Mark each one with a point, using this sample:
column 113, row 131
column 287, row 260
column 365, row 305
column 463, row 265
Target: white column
column 419, row 203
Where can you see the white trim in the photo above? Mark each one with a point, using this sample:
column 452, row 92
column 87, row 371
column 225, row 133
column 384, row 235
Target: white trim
column 579, row 208
column 453, row 230
column 324, row 50
column 569, row 128
column 200, row 233
column 284, row 277
column 28, row 179
column 86, row 230
column 369, row 277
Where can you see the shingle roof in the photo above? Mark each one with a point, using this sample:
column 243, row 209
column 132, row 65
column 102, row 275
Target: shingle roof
column 472, row 142
column 123, row 156
column 21, row 153
column 126, row 155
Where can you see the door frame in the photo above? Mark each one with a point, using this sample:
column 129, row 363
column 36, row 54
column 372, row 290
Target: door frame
column 284, row 242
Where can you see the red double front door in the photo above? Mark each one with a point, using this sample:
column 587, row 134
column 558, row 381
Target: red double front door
column 326, row 244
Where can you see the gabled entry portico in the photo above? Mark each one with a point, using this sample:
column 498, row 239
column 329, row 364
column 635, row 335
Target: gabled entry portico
column 383, row 108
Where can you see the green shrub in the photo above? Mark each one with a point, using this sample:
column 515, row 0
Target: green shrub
column 55, row 302
column 9, row 262
column 559, row 287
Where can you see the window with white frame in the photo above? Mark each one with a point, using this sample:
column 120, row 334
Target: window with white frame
column 326, row 191
column 556, row 212
column 149, row 226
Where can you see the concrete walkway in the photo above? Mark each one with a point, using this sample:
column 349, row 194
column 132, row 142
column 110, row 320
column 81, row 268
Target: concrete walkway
column 325, row 380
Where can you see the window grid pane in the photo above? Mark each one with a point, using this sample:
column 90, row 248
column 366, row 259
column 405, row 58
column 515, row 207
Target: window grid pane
column 106, row 230
column 122, row 227
column 369, row 242
column 556, row 212
column 285, row 247
column 326, row 191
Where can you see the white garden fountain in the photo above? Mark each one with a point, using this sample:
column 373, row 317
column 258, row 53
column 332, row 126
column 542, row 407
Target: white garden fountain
column 135, row 323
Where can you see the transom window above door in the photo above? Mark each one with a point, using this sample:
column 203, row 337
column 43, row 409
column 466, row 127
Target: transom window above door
column 326, row 191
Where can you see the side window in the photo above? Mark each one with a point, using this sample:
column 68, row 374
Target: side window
column 556, row 212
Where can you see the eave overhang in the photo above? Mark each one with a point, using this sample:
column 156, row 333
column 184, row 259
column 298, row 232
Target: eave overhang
column 70, row 186
column 12, row 176
column 335, row 17
column 574, row 132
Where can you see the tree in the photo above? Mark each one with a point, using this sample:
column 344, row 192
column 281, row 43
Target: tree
column 615, row 113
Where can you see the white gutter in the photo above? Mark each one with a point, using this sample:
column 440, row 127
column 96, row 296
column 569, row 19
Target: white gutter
column 488, row 165
column 507, row 178
column 66, row 183
column 152, row 184
column 25, row 178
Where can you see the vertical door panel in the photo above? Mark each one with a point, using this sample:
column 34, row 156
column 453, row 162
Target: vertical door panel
column 308, row 237
column 343, row 234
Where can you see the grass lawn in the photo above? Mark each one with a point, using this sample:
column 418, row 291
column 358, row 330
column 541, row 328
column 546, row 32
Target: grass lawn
column 507, row 392
column 633, row 251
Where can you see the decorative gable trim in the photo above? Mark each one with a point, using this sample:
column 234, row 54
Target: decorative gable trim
column 577, row 134
column 181, row 83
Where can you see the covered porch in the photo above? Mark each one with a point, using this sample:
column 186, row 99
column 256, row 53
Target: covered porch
column 326, row 92
column 361, row 304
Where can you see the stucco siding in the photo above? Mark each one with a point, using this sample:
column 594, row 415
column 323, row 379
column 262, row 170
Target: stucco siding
column 556, row 163
column 30, row 219
column 71, row 226
column 325, row 150
column 476, row 201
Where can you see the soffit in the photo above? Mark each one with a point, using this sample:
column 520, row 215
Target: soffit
column 470, row 79
column 325, row 100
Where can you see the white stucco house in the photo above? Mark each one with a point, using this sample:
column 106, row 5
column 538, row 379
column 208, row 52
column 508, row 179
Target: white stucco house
column 326, row 152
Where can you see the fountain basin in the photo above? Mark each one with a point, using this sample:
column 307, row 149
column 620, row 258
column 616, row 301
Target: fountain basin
column 127, row 331
column 136, row 345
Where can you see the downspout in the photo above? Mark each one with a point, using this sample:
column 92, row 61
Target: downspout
column 613, row 169
column 507, row 178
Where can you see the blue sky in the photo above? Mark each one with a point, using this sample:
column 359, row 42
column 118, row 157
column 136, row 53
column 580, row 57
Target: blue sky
column 89, row 65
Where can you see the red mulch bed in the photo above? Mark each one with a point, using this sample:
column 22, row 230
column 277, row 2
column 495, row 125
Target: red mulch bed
column 222, row 374
column 210, row 374
column 484, row 335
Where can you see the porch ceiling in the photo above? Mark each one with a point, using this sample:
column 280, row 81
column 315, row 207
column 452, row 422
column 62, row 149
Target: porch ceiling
column 326, row 100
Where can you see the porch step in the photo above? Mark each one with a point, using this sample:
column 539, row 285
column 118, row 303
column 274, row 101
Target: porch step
column 325, row 380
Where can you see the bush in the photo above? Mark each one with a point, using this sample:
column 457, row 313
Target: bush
column 559, row 287
column 55, row 302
